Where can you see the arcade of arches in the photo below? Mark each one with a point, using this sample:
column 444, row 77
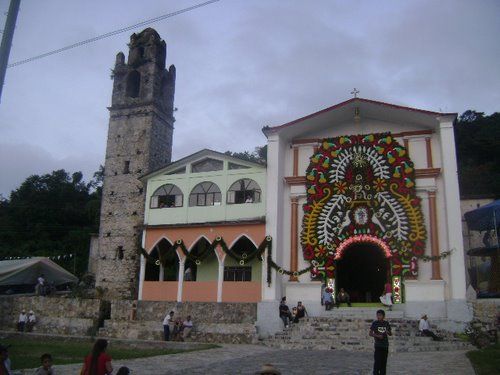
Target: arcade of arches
column 204, row 273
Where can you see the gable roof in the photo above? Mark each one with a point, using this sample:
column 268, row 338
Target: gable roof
column 275, row 129
column 202, row 154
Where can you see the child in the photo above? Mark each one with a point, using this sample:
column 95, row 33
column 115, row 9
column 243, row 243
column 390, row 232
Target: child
column 379, row 330
column 46, row 368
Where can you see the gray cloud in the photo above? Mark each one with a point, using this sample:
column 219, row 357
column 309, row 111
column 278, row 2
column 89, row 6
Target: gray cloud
column 241, row 65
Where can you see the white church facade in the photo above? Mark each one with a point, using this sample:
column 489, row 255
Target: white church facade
column 357, row 195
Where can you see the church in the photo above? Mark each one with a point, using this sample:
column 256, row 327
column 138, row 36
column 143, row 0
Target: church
column 355, row 196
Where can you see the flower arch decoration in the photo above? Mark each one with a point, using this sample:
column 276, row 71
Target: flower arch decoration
column 361, row 189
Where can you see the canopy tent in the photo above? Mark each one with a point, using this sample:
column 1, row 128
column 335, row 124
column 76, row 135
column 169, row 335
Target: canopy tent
column 486, row 217
column 27, row 271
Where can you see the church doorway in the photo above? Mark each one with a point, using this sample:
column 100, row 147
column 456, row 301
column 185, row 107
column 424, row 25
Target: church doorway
column 363, row 271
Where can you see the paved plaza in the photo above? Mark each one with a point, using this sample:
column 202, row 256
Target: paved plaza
column 248, row 359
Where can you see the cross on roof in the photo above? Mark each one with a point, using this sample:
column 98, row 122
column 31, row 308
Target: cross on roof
column 355, row 92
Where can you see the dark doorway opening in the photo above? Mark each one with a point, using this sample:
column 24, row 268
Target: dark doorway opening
column 362, row 272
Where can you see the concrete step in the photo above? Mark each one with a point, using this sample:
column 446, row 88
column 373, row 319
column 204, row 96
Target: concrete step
column 351, row 333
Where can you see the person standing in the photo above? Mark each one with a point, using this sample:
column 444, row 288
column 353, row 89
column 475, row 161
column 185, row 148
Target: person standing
column 40, row 285
column 21, row 321
column 167, row 323
column 98, row 362
column 425, row 328
column 327, row 298
column 386, row 298
column 380, row 330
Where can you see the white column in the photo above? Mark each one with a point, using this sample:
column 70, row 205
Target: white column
column 181, row 281
column 142, row 272
column 162, row 272
column 453, row 214
column 220, row 280
column 274, row 207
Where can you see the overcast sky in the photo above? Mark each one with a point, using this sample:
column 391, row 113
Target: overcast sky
column 241, row 64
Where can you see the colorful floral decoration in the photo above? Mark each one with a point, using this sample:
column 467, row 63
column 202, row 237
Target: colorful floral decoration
column 361, row 188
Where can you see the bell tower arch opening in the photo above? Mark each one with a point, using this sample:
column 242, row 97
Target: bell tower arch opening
column 362, row 271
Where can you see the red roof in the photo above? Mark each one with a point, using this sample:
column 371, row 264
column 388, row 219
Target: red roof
column 347, row 102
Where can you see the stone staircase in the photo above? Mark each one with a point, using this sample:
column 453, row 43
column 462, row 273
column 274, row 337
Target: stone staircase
column 347, row 329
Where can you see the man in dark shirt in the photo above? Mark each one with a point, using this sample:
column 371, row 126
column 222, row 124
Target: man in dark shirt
column 380, row 330
column 284, row 312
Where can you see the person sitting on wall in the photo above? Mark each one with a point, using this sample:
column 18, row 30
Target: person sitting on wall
column 30, row 321
column 294, row 315
column 424, row 328
column 301, row 312
column 284, row 312
column 343, row 296
column 187, row 327
column 177, row 331
column 21, row 321
column 327, row 298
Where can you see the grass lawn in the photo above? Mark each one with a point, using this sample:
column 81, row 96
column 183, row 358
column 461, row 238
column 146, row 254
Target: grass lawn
column 486, row 361
column 25, row 352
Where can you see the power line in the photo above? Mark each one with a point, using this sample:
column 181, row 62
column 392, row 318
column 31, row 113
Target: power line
column 112, row 33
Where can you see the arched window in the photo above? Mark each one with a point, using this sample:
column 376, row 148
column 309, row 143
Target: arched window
column 133, row 84
column 165, row 196
column 244, row 191
column 205, row 194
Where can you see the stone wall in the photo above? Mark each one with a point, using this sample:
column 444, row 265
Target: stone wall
column 487, row 311
column 56, row 315
column 213, row 322
column 201, row 312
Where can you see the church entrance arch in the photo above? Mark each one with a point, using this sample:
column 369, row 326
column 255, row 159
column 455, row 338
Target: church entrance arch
column 362, row 270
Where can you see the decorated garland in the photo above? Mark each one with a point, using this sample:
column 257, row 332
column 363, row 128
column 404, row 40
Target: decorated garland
column 360, row 189
column 242, row 258
column 431, row 258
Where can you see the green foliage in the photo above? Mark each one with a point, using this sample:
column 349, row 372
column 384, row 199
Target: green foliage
column 259, row 155
column 486, row 361
column 477, row 140
column 51, row 214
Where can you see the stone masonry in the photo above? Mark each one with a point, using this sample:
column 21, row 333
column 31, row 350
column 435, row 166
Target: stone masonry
column 139, row 141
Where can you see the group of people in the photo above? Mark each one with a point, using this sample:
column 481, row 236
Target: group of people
column 327, row 298
column 98, row 362
column 26, row 322
column 298, row 312
column 176, row 329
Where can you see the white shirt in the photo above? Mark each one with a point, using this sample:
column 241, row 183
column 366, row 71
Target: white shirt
column 31, row 318
column 22, row 318
column 423, row 325
column 167, row 320
column 41, row 280
column 188, row 323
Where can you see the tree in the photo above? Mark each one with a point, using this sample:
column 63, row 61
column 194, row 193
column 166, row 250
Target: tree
column 259, row 155
column 477, row 139
column 51, row 215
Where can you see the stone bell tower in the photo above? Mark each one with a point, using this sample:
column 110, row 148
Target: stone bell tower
column 140, row 131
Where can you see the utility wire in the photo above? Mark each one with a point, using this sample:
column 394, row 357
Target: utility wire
column 112, row 33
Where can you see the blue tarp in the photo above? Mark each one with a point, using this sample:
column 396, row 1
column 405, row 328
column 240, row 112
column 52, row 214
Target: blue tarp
column 483, row 218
